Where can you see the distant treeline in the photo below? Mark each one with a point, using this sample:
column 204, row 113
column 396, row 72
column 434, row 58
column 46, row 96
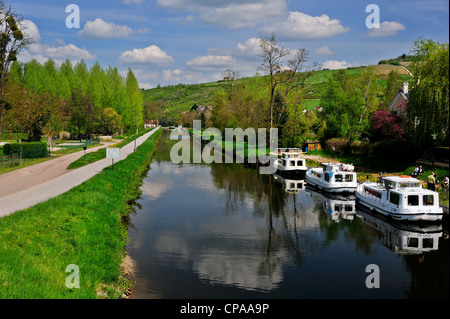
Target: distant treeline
column 397, row 60
column 81, row 100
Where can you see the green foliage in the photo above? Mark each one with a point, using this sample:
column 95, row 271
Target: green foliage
column 97, row 88
column 428, row 107
column 29, row 150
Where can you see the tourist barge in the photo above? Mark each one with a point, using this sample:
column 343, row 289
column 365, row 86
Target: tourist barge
column 400, row 198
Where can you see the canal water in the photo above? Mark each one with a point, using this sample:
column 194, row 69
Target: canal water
column 226, row 231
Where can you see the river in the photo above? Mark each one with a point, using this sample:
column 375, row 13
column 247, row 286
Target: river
column 226, row 231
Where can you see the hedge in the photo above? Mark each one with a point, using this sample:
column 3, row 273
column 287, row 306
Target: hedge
column 29, row 150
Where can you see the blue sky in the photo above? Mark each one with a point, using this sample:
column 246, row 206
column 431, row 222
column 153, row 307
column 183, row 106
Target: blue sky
column 195, row 41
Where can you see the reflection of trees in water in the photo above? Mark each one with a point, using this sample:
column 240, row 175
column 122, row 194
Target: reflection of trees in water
column 284, row 220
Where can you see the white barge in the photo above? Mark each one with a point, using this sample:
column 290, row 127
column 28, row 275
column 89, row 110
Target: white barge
column 333, row 177
column 291, row 163
column 401, row 198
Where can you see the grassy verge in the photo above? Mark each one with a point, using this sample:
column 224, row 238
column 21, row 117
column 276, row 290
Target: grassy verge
column 82, row 227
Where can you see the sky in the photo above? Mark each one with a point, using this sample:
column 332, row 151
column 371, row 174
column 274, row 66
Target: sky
column 167, row 42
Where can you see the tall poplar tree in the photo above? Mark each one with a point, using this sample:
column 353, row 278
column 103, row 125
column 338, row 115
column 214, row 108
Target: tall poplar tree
column 134, row 116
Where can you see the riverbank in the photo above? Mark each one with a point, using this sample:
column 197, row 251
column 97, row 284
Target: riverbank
column 83, row 227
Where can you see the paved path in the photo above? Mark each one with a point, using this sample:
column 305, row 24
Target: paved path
column 53, row 183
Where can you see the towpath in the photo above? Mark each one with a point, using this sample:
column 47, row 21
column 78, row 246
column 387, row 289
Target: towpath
column 29, row 186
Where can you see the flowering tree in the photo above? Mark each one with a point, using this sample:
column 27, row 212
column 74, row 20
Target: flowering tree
column 387, row 126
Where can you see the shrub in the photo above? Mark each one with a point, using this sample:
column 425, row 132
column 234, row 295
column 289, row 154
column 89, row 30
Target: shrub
column 29, row 150
column 338, row 145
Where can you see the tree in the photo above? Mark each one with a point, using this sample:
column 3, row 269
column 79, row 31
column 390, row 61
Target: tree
column 12, row 40
column 272, row 54
column 111, row 121
column 428, row 106
column 134, row 116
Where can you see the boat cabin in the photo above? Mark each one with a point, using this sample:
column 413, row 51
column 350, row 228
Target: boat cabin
column 292, row 160
column 402, row 191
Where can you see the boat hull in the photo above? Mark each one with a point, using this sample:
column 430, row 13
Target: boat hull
column 399, row 214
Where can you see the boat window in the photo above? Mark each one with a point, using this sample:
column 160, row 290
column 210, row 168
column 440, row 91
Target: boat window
column 292, row 185
column 348, row 208
column 427, row 243
column 395, row 198
column 349, row 178
column 284, row 163
column 413, row 200
column 410, row 184
column 292, row 163
column 338, row 178
column 299, row 185
column 337, row 208
column 327, row 177
column 413, row 242
column 299, row 163
column 428, row 200
column 378, row 194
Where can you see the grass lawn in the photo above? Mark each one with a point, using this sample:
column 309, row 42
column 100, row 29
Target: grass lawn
column 82, row 227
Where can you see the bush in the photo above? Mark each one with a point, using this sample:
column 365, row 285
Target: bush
column 29, row 150
column 338, row 145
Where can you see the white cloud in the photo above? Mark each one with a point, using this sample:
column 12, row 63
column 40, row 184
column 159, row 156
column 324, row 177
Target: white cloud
column 132, row 1
column 335, row 65
column 300, row 26
column 100, row 29
column 211, row 62
column 151, row 54
column 250, row 49
column 42, row 52
column 386, row 29
column 31, row 30
column 237, row 15
column 231, row 14
column 325, row 50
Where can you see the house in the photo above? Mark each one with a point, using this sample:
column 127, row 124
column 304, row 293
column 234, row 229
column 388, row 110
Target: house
column 150, row 124
column 398, row 103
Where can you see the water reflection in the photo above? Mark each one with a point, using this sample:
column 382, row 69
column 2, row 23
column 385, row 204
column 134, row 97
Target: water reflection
column 404, row 238
column 337, row 206
column 225, row 231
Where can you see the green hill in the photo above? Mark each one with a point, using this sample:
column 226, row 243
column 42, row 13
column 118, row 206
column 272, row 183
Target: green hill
column 175, row 99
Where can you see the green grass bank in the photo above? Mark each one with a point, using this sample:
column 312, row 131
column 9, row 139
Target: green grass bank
column 82, row 227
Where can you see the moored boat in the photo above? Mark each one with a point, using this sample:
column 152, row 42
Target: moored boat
column 291, row 163
column 333, row 177
column 401, row 198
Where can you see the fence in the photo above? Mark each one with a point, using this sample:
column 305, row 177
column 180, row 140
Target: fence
column 10, row 160
column 74, row 145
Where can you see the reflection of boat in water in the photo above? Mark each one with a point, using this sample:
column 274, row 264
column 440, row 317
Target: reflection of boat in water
column 290, row 185
column 403, row 238
column 337, row 206
column 333, row 177
column 291, row 163
column 400, row 197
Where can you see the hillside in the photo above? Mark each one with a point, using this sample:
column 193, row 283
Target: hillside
column 179, row 98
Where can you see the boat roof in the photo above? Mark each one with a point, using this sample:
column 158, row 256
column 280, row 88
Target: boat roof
column 401, row 179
